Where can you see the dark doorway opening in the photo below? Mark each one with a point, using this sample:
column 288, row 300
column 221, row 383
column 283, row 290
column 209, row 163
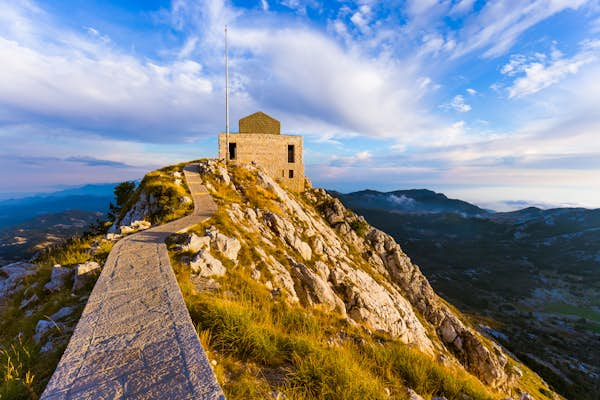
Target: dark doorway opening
column 291, row 153
column 232, row 151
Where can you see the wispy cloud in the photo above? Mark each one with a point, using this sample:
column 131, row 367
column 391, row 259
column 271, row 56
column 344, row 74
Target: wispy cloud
column 498, row 24
column 457, row 104
column 540, row 71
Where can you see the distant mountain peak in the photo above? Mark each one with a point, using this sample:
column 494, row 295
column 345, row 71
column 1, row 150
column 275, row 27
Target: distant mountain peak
column 419, row 201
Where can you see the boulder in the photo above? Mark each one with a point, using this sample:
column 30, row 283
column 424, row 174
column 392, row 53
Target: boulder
column 84, row 273
column 49, row 346
column 229, row 247
column 145, row 205
column 11, row 276
column 135, row 226
column 195, row 243
column 255, row 274
column 25, row 303
column 412, row 395
column 113, row 237
column 287, row 232
column 185, row 200
column 303, row 248
column 281, row 279
column 58, row 278
column 204, row 264
column 62, row 313
column 43, row 326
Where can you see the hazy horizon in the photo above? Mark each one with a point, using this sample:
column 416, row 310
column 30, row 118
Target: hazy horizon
column 495, row 204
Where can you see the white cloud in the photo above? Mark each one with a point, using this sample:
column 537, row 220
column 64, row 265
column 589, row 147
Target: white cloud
column 462, row 7
column 96, row 34
column 301, row 75
column 188, row 47
column 265, row 5
column 312, row 76
column 104, row 90
column 457, row 104
column 363, row 155
column 362, row 17
column 471, row 91
column 539, row 71
column 499, row 23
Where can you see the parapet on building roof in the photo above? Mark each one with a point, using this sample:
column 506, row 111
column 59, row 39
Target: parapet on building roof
column 259, row 122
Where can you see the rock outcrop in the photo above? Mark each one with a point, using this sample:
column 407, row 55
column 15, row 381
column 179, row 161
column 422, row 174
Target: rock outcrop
column 488, row 364
column 135, row 218
column 319, row 254
column 84, row 273
column 11, row 277
column 58, row 278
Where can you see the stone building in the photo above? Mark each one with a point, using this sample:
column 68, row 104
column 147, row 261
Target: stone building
column 260, row 141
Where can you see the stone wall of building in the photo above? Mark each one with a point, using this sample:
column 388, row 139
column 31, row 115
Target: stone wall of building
column 270, row 152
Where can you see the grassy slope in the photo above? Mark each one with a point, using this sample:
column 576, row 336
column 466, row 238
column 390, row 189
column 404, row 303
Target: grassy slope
column 263, row 345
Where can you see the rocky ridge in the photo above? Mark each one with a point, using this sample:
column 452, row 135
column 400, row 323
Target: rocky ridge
column 313, row 251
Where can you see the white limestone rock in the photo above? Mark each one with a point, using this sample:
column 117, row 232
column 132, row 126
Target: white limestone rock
column 113, row 237
column 287, row 233
column 84, row 273
column 185, row 200
column 204, row 264
column 62, row 313
column 281, row 278
column 58, row 278
column 312, row 289
column 12, row 275
column 48, row 347
column 42, row 326
column 229, row 247
column 135, row 226
column 194, row 243
column 145, row 206
column 381, row 308
column 412, row 395
column 255, row 274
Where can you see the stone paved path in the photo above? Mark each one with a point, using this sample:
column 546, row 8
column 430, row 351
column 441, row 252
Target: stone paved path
column 135, row 338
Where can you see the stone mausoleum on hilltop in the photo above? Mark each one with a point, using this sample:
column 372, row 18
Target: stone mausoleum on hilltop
column 260, row 141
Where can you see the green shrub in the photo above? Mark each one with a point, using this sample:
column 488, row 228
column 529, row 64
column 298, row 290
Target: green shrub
column 360, row 227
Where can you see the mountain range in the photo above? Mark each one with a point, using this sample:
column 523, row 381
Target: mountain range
column 93, row 197
column 30, row 224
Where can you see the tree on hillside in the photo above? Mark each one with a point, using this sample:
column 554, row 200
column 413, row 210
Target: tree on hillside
column 123, row 192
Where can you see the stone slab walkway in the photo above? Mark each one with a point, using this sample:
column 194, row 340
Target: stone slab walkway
column 135, row 338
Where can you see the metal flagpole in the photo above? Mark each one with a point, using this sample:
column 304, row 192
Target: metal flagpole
column 226, row 98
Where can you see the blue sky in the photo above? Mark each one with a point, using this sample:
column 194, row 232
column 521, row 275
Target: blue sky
column 485, row 101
